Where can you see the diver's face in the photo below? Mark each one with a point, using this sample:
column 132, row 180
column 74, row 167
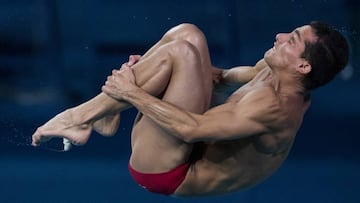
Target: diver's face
column 288, row 47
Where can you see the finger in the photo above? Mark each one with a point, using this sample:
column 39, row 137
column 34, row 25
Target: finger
column 107, row 89
column 133, row 59
column 129, row 68
column 114, row 72
column 111, row 78
column 103, row 89
column 108, row 79
column 136, row 57
column 124, row 65
column 109, row 84
column 128, row 71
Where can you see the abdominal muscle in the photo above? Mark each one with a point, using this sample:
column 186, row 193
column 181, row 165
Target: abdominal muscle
column 229, row 166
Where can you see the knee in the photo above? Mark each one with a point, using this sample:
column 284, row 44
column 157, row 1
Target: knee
column 184, row 50
column 185, row 31
column 177, row 51
column 185, row 28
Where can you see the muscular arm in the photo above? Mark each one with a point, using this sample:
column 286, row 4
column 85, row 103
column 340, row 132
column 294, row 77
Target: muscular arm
column 251, row 115
column 229, row 80
column 225, row 122
column 242, row 74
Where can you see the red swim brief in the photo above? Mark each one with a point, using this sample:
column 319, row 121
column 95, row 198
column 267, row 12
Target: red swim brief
column 163, row 183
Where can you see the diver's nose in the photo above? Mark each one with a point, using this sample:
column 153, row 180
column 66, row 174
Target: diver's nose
column 280, row 37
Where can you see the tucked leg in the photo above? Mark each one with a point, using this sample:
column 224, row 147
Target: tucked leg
column 76, row 123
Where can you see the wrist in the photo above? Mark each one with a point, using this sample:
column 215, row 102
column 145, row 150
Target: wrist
column 131, row 93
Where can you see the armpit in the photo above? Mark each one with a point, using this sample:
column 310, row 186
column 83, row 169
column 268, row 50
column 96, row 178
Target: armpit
column 272, row 144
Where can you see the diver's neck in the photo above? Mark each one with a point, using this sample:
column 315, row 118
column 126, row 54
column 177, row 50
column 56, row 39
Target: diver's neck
column 286, row 83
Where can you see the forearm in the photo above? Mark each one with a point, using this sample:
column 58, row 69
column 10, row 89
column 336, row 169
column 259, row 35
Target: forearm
column 240, row 74
column 243, row 74
column 169, row 117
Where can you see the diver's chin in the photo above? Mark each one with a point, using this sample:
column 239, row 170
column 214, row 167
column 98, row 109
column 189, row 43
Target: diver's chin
column 269, row 53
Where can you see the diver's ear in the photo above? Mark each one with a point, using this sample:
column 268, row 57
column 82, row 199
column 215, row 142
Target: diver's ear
column 304, row 67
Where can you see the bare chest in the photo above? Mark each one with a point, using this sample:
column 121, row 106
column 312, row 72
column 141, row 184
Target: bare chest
column 245, row 89
column 261, row 80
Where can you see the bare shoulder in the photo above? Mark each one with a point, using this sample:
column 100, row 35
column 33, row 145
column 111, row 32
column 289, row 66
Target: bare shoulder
column 263, row 97
column 263, row 106
column 270, row 111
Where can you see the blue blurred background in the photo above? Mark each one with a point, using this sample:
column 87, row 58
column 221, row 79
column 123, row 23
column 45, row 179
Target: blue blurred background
column 55, row 54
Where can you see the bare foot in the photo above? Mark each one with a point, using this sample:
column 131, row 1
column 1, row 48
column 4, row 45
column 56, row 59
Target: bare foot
column 63, row 125
column 108, row 125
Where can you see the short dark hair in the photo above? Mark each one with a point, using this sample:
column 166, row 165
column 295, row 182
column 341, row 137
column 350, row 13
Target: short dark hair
column 328, row 55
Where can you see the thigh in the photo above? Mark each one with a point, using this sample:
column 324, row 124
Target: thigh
column 191, row 88
column 187, row 32
column 176, row 73
column 190, row 85
column 177, row 70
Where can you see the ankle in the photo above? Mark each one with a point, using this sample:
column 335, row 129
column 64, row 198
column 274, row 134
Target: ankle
column 77, row 117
